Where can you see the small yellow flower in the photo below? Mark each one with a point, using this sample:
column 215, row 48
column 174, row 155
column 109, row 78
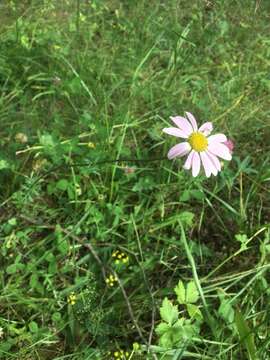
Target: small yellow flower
column 125, row 260
column 91, row 145
column 72, row 299
column 136, row 346
column 111, row 280
column 120, row 257
column 120, row 354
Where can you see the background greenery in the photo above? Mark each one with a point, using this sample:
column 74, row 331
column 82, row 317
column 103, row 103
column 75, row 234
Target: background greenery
column 186, row 260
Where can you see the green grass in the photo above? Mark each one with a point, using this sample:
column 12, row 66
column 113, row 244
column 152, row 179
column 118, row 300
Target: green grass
column 91, row 81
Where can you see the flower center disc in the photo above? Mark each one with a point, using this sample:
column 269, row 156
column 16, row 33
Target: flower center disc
column 198, row 141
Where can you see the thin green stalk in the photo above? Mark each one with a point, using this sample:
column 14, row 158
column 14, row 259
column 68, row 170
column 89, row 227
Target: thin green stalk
column 196, row 278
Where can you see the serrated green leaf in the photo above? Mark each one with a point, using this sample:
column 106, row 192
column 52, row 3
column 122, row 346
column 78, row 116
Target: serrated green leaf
column 166, row 340
column 168, row 311
column 192, row 294
column 171, row 336
column 194, row 312
column 189, row 331
column 180, row 292
column 162, row 328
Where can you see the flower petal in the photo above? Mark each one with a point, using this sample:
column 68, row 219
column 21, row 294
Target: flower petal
column 214, row 160
column 220, row 150
column 230, row 145
column 192, row 120
column 196, row 164
column 206, row 128
column 179, row 150
column 209, row 167
column 187, row 164
column 183, row 124
column 175, row 132
column 219, row 138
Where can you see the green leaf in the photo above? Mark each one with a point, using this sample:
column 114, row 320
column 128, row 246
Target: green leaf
column 243, row 239
column 168, row 311
column 52, row 269
column 62, row 184
column 4, row 164
column 162, row 328
column 35, row 284
column 180, row 292
column 33, row 280
column 171, row 334
column 197, row 194
column 194, row 312
column 189, row 331
column 63, row 246
column 185, row 196
column 62, row 242
column 188, row 295
column 11, row 269
column 186, row 218
column 246, row 335
column 56, row 317
column 33, row 327
column 12, row 221
column 144, row 183
column 47, row 140
column 192, row 294
column 226, row 311
column 166, row 340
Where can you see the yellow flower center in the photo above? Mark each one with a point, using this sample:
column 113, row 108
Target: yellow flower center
column 198, row 141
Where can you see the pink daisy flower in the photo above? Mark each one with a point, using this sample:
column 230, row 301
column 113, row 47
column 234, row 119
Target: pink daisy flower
column 200, row 147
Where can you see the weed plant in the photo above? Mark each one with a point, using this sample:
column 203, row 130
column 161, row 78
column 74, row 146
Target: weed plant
column 134, row 258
